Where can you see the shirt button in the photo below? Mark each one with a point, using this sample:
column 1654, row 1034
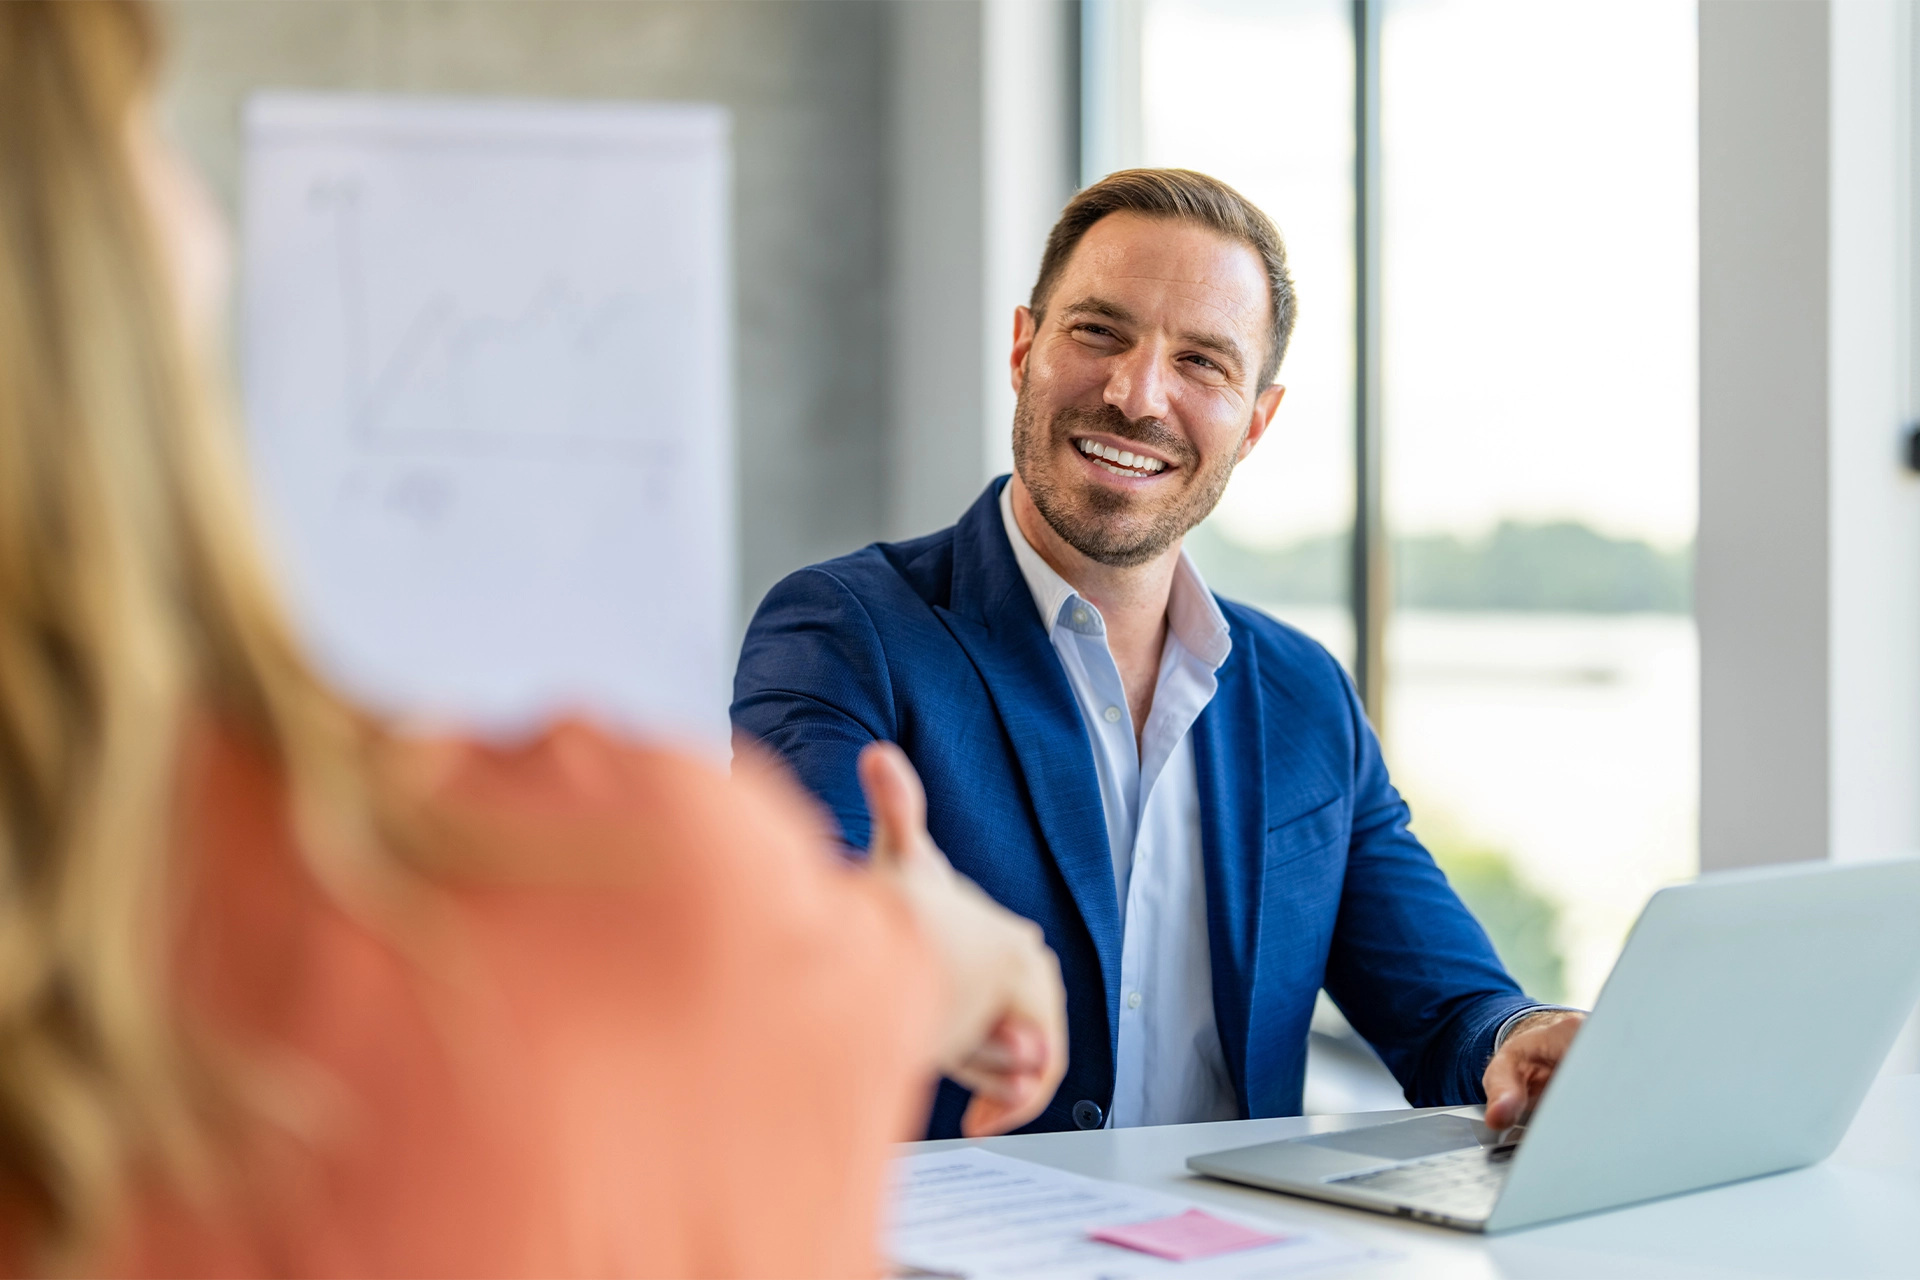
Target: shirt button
column 1133, row 1000
column 1079, row 617
column 1113, row 715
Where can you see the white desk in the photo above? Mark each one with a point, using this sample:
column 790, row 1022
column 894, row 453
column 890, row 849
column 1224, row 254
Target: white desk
column 1856, row 1214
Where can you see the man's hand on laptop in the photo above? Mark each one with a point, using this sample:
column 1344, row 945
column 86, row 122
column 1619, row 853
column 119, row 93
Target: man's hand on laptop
column 1519, row 1072
column 1005, row 1038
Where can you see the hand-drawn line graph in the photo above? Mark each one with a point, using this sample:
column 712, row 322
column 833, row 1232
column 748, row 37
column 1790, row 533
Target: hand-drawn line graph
column 559, row 371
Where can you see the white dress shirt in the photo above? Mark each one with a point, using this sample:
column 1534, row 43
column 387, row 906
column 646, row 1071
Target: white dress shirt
column 1170, row 1068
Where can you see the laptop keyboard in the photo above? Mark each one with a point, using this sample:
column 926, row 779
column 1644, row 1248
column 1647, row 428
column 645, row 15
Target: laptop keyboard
column 1458, row 1184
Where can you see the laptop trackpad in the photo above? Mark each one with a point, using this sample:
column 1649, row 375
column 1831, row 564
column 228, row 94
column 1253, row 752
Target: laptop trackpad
column 1404, row 1139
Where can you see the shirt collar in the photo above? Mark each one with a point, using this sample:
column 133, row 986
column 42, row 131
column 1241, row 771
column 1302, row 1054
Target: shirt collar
column 1193, row 615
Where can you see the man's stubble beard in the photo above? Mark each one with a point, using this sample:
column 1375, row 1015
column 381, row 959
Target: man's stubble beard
column 1095, row 521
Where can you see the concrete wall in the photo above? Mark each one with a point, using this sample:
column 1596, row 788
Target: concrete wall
column 808, row 85
column 1809, row 548
column 984, row 137
column 1762, row 549
column 1808, row 600
column 938, row 259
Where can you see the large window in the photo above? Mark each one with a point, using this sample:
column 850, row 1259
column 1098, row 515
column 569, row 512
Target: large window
column 1535, row 300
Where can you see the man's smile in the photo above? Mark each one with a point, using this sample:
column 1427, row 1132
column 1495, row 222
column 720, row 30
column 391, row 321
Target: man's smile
column 1121, row 461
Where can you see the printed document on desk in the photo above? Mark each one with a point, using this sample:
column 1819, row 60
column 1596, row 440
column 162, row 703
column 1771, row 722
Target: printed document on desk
column 975, row 1213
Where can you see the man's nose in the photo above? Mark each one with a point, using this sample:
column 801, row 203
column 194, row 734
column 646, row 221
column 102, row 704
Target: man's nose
column 1139, row 383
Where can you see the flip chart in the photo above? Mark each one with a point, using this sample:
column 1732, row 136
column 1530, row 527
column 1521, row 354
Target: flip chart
column 486, row 349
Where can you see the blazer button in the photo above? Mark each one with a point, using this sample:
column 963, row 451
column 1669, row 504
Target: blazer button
column 1087, row 1114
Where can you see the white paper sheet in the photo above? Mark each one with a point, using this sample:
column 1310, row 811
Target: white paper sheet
column 486, row 356
column 975, row 1213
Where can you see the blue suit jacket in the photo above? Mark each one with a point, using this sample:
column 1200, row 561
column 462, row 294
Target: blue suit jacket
column 1312, row 878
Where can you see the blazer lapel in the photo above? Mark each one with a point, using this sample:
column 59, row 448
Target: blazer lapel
column 993, row 618
column 1229, row 756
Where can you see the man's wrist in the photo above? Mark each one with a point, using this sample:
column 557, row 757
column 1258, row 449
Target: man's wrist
column 1539, row 1012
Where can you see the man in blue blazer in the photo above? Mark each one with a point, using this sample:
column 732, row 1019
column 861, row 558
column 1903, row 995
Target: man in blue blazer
column 1182, row 792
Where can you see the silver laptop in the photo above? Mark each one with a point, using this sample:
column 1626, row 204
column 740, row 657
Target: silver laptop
column 1743, row 1024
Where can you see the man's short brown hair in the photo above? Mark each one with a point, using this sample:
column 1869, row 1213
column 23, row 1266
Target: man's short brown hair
column 1185, row 196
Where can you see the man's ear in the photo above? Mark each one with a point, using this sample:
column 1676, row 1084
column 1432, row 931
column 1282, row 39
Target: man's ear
column 1264, row 406
column 1025, row 328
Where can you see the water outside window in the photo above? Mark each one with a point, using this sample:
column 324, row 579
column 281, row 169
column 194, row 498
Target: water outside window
column 1539, row 318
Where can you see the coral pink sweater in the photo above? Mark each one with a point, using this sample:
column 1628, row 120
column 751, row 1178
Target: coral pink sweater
column 651, row 1026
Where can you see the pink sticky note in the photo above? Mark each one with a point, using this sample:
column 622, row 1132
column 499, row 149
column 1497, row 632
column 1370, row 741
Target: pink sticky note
column 1185, row 1236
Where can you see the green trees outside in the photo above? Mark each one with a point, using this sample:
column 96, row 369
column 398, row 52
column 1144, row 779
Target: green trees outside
column 1560, row 566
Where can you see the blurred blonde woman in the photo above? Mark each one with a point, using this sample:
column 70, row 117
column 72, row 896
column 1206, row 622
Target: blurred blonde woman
column 281, row 992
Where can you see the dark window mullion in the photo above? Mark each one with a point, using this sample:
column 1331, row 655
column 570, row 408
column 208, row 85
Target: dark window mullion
column 1369, row 589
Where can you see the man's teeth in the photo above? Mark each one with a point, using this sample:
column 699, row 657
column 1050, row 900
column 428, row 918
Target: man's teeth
column 1121, row 462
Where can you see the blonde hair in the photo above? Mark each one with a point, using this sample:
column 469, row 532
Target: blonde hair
column 132, row 601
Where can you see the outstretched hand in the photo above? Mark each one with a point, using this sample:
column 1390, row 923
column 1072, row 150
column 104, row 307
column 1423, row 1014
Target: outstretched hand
column 1518, row 1074
column 1005, row 1035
